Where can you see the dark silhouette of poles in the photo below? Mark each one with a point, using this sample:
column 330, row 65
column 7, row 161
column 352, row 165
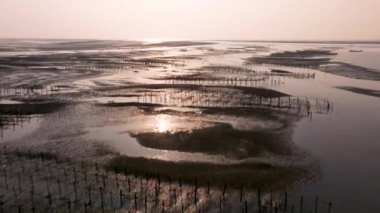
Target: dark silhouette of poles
column 59, row 189
column 195, row 192
column 89, row 197
column 101, row 198
column 220, row 203
column 111, row 200
column 69, row 205
column 146, row 203
column 330, row 207
column 135, row 199
column 241, row 193
column 285, row 202
column 121, row 198
column 259, row 199
column 316, row 205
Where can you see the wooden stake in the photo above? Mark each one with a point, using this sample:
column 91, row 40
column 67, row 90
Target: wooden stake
column 316, row 205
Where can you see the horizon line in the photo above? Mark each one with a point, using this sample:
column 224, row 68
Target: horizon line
column 343, row 41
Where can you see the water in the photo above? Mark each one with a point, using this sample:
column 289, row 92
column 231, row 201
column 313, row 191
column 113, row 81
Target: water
column 21, row 128
column 368, row 58
column 345, row 141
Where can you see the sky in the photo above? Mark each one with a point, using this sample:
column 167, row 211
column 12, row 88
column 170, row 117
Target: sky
column 191, row 19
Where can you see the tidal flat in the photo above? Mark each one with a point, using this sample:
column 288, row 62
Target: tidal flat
column 186, row 126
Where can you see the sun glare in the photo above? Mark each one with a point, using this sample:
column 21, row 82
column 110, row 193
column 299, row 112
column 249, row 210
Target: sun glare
column 162, row 123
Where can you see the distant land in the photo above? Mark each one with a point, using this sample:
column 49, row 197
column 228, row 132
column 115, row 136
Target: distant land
column 311, row 41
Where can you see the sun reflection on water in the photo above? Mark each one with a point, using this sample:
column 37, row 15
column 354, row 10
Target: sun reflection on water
column 163, row 123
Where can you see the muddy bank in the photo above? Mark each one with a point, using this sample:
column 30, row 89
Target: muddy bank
column 262, row 92
column 276, row 71
column 351, row 71
column 65, row 134
column 250, row 174
column 16, row 45
column 221, row 139
column 47, row 68
column 177, row 44
column 46, row 182
column 302, row 58
column 30, row 108
column 319, row 59
column 216, row 99
column 229, row 69
column 374, row 93
column 250, row 147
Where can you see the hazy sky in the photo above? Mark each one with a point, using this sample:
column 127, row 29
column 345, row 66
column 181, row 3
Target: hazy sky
column 192, row 19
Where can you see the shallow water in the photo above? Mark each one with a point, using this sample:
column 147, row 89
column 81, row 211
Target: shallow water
column 20, row 129
column 368, row 58
column 344, row 140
